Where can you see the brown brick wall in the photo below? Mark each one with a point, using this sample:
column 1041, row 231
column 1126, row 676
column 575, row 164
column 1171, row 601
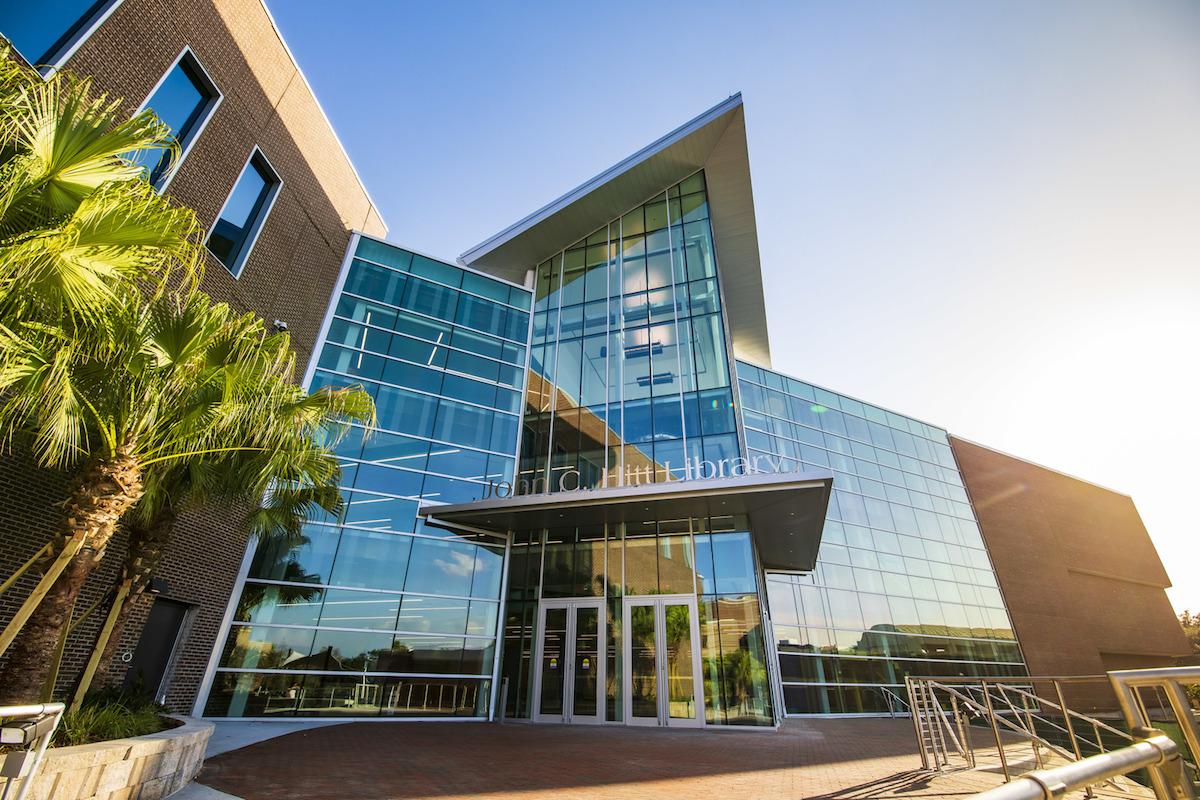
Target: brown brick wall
column 289, row 276
column 290, row 273
column 1081, row 578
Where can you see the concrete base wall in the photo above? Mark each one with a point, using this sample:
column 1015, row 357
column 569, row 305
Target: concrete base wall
column 143, row 768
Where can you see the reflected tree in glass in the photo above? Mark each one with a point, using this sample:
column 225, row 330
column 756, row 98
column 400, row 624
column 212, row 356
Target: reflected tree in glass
column 644, row 688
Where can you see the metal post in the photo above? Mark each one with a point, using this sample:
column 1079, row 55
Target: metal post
column 1037, row 754
column 503, row 700
column 1062, row 706
column 914, row 715
column 996, row 731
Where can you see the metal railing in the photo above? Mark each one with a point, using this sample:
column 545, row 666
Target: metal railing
column 944, row 708
column 1128, row 686
column 27, row 729
column 894, row 701
column 1158, row 752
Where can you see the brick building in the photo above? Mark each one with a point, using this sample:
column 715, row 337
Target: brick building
column 588, row 480
column 253, row 105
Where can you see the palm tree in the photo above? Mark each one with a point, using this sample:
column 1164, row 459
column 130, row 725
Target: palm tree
column 76, row 220
column 281, row 496
column 151, row 386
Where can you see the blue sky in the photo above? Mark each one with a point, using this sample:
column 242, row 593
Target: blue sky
column 985, row 215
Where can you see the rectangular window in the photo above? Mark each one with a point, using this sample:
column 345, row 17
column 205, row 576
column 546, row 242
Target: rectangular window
column 185, row 99
column 245, row 210
column 46, row 33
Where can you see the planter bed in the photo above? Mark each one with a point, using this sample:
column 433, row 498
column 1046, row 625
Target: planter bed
column 142, row 768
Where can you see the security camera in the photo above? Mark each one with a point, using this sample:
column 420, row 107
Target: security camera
column 280, row 325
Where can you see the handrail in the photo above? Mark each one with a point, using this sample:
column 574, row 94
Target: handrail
column 1127, row 683
column 1013, row 705
column 892, row 699
column 1158, row 751
column 924, row 696
column 30, row 727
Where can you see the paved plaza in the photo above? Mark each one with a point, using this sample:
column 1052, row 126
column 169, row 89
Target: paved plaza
column 849, row 759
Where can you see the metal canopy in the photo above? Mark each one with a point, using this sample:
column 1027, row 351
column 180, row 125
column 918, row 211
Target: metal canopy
column 786, row 512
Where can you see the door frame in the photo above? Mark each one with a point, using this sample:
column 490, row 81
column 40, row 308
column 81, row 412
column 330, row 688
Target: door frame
column 658, row 602
column 571, row 604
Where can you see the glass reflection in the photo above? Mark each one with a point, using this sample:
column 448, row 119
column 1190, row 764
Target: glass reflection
column 643, row 658
column 282, row 605
column 898, row 587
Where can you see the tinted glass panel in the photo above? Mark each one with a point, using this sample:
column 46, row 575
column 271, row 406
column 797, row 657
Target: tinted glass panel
column 38, row 30
column 234, row 229
column 180, row 101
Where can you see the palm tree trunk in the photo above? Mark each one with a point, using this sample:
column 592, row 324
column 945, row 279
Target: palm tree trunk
column 99, row 496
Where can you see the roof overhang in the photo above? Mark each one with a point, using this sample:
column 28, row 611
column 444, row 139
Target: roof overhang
column 715, row 141
column 786, row 512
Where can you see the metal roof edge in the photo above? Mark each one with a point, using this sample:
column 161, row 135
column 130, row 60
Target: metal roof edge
column 484, row 247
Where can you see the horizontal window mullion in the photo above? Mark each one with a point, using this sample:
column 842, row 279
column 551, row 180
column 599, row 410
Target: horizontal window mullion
column 432, row 318
column 359, row 674
column 367, row 590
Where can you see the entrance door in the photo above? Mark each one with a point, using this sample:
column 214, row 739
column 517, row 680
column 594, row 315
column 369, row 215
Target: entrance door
column 662, row 664
column 570, row 667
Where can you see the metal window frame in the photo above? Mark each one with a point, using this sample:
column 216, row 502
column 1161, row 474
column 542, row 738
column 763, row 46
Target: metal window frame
column 210, row 107
column 87, row 27
column 260, row 218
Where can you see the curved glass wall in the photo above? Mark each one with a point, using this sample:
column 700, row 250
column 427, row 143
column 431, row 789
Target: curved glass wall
column 629, row 372
column 903, row 583
column 374, row 613
column 711, row 559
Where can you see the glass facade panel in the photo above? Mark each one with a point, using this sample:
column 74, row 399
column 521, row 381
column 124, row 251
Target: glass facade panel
column 903, row 585
column 412, row 611
column 622, row 341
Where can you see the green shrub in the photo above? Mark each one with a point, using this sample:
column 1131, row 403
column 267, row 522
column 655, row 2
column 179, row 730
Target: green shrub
column 101, row 723
column 112, row 713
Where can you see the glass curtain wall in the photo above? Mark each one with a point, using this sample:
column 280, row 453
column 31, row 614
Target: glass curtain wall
column 711, row 557
column 375, row 613
column 629, row 375
column 903, row 583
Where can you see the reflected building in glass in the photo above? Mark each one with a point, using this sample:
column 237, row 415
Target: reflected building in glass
column 903, row 583
column 591, row 500
column 376, row 613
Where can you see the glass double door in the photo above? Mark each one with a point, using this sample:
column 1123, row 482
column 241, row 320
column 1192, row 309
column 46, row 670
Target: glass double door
column 569, row 661
column 662, row 661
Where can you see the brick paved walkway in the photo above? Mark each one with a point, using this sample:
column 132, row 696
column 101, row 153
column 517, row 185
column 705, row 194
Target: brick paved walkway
column 846, row 759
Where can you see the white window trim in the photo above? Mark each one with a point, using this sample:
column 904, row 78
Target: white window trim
column 252, row 237
column 60, row 57
column 208, row 113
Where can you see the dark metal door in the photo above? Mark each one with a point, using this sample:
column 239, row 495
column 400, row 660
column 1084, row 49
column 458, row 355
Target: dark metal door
column 154, row 649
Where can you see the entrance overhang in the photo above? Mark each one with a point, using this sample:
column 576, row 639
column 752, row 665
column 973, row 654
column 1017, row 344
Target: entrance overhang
column 786, row 512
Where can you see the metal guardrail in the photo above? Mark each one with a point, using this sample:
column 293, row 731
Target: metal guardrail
column 943, row 708
column 1011, row 706
column 894, row 701
column 29, row 728
column 1127, row 684
column 1157, row 752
